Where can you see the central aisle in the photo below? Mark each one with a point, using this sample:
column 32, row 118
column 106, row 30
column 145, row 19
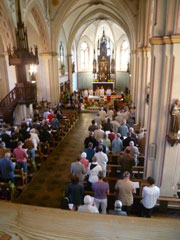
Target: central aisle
column 48, row 186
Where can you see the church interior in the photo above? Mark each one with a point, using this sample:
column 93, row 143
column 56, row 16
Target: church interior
column 66, row 61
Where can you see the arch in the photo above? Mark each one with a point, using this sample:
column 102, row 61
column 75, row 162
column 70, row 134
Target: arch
column 6, row 27
column 35, row 9
column 125, row 20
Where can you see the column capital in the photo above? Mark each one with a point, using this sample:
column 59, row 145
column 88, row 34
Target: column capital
column 160, row 40
column 141, row 49
column 144, row 49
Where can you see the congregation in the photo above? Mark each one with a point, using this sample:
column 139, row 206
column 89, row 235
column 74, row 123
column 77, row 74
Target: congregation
column 24, row 147
column 111, row 133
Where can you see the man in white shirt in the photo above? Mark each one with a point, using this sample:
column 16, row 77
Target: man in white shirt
column 110, row 113
column 99, row 133
column 88, row 205
column 102, row 159
column 102, row 114
column 101, row 91
column 150, row 195
column 90, row 92
column 115, row 124
column 108, row 93
column 97, row 119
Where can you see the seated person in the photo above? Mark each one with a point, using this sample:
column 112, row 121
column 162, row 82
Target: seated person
column 3, row 150
column 6, row 138
column 117, row 209
column 88, row 206
column 7, row 168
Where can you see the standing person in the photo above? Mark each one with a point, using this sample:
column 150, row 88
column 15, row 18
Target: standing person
column 126, row 162
column 101, row 91
column 85, row 95
column 93, row 126
column 108, row 93
column 89, row 151
column 34, row 138
column 78, row 169
column 21, row 157
column 91, row 139
column 106, row 142
column 123, row 129
column 102, row 114
column 101, row 190
column 117, row 144
column 97, row 119
column 84, row 161
column 31, row 152
column 110, row 113
column 7, row 168
column 134, row 152
column 99, row 133
column 125, row 189
column 150, row 195
column 102, row 159
column 93, row 171
column 91, row 92
column 75, row 192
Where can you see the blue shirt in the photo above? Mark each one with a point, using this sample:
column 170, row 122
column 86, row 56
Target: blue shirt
column 117, row 145
column 90, row 153
column 6, row 168
column 123, row 130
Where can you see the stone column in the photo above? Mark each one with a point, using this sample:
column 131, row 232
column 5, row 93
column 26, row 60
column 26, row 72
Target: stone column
column 47, row 78
column 4, row 80
column 162, row 160
column 132, row 72
column 70, row 72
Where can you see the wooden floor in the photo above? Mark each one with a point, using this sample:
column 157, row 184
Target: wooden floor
column 19, row 221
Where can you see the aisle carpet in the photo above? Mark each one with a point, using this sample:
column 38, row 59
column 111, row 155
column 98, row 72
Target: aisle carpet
column 49, row 184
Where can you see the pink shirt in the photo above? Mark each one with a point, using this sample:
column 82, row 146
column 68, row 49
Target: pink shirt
column 20, row 154
column 85, row 162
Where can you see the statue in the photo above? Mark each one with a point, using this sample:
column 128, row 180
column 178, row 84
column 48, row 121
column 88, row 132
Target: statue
column 175, row 121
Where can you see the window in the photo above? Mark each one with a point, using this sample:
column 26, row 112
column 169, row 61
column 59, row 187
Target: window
column 124, row 55
column 84, row 56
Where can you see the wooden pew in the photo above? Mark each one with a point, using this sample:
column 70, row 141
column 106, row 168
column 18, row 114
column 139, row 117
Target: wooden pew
column 166, row 201
column 115, row 169
column 20, row 178
column 7, row 191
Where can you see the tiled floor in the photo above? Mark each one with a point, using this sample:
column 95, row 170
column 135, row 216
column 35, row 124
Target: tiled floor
column 48, row 186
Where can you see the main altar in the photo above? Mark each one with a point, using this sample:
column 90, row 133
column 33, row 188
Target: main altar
column 104, row 66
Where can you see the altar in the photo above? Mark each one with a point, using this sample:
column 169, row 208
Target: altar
column 103, row 65
column 105, row 85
